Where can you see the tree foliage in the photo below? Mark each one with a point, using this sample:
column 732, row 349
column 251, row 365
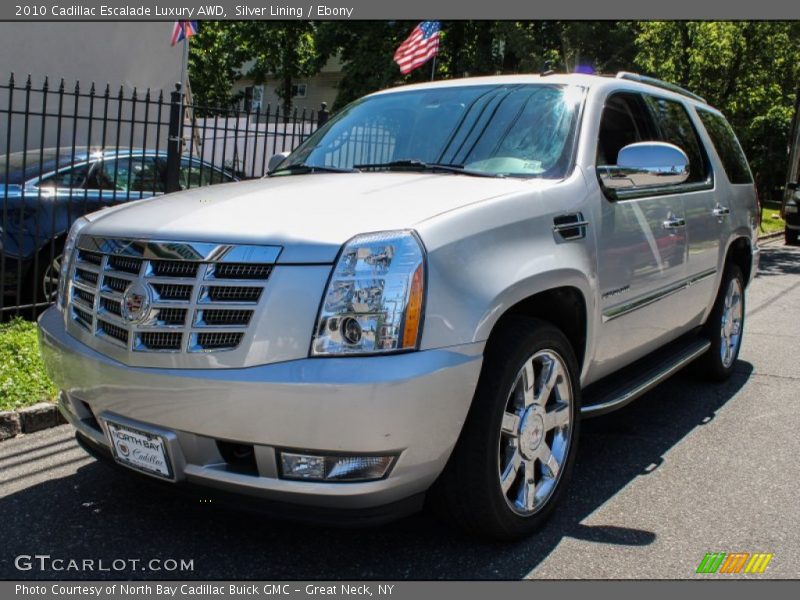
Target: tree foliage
column 749, row 70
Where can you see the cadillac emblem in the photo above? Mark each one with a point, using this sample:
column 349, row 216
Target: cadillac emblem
column 136, row 302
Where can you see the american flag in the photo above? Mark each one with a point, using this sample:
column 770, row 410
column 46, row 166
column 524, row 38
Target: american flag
column 183, row 30
column 419, row 47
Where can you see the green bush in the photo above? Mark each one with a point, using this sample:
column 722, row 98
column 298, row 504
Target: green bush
column 23, row 381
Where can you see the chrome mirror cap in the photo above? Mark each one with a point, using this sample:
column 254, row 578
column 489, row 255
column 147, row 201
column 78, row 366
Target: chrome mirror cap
column 275, row 160
column 646, row 165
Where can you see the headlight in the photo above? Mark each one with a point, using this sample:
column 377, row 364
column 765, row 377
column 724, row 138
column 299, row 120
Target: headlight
column 373, row 303
column 66, row 259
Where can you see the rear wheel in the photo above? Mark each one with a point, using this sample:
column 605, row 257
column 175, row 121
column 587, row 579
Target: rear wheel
column 725, row 326
column 791, row 236
column 516, row 451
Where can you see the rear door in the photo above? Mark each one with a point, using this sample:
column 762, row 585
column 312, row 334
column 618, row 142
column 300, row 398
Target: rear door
column 706, row 220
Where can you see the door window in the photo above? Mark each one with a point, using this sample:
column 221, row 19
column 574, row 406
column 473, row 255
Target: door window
column 68, row 178
column 135, row 175
column 728, row 148
column 194, row 174
column 675, row 127
column 625, row 121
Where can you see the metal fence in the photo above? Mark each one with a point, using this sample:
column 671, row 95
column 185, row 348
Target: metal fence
column 66, row 151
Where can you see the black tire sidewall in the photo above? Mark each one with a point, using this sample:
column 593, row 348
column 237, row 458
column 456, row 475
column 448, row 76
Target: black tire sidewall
column 474, row 463
column 713, row 367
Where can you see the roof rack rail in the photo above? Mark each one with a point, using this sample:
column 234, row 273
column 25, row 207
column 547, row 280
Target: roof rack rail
column 659, row 83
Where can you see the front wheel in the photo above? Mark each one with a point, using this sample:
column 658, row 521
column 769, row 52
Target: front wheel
column 725, row 326
column 790, row 236
column 515, row 454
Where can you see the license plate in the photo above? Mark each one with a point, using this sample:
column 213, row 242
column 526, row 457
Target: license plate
column 139, row 449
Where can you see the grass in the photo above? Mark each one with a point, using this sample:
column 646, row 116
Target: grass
column 23, row 381
column 771, row 221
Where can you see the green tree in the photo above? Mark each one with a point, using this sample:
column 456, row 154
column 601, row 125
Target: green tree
column 365, row 49
column 284, row 50
column 215, row 57
column 749, row 70
column 224, row 51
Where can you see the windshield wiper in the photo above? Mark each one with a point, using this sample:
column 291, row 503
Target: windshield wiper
column 304, row 168
column 419, row 165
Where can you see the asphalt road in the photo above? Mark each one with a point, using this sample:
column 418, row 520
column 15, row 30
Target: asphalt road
column 689, row 468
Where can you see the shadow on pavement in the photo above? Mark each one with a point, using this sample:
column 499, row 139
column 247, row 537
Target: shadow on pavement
column 780, row 260
column 100, row 512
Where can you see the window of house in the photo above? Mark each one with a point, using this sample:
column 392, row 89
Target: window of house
column 299, row 90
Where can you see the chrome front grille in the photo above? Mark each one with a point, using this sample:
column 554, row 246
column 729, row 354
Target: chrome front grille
column 179, row 297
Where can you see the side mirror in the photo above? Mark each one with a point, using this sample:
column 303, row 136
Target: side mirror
column 275, row 160
column 645, row 165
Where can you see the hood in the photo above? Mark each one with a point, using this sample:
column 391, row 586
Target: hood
column 310, row 216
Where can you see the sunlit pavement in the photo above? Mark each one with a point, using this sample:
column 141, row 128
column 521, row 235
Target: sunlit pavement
column 688, row 469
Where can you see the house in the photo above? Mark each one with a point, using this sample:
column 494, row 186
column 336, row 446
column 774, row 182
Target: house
column 309, row 93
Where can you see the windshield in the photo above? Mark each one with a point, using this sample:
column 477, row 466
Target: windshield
column 524, row 130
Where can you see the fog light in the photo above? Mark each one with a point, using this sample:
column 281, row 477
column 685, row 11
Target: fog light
column 334, row 468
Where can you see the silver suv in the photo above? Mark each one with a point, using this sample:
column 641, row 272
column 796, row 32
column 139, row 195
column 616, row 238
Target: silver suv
column 423, row 300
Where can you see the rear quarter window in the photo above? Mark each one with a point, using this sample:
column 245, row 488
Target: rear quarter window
column 730, row 152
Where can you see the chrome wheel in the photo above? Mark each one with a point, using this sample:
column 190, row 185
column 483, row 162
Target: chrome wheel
column 731, row 326
column 50, row 279
column 535, row 433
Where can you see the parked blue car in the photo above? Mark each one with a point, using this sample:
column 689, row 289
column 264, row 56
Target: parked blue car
column 42, row 193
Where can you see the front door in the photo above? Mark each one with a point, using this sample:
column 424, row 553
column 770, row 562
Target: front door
column 642, row 248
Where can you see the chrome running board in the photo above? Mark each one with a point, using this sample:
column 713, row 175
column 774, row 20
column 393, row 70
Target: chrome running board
column 622, row 388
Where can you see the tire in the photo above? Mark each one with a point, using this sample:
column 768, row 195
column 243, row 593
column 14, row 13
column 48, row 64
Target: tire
column 790, row 236
column 725, row 327
column 44, row 275
column 469, row 493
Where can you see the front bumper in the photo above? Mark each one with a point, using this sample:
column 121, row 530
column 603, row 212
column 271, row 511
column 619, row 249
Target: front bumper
column 411, row 405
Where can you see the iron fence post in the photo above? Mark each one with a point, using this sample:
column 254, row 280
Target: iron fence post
column 174, row 139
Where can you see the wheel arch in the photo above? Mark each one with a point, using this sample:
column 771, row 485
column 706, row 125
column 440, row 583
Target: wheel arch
column 740, row 253
column 564, row 307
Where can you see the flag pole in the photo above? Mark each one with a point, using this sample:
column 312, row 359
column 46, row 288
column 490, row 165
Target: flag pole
column 184, row 64
column 433, row 68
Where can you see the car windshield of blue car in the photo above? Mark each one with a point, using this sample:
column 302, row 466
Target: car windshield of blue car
column 508, row 130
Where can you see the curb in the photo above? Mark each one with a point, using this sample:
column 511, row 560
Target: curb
column 30, row 419
column 770, row 236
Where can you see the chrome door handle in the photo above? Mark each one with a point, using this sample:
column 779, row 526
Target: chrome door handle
column 675, row 223
column 720, row 211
